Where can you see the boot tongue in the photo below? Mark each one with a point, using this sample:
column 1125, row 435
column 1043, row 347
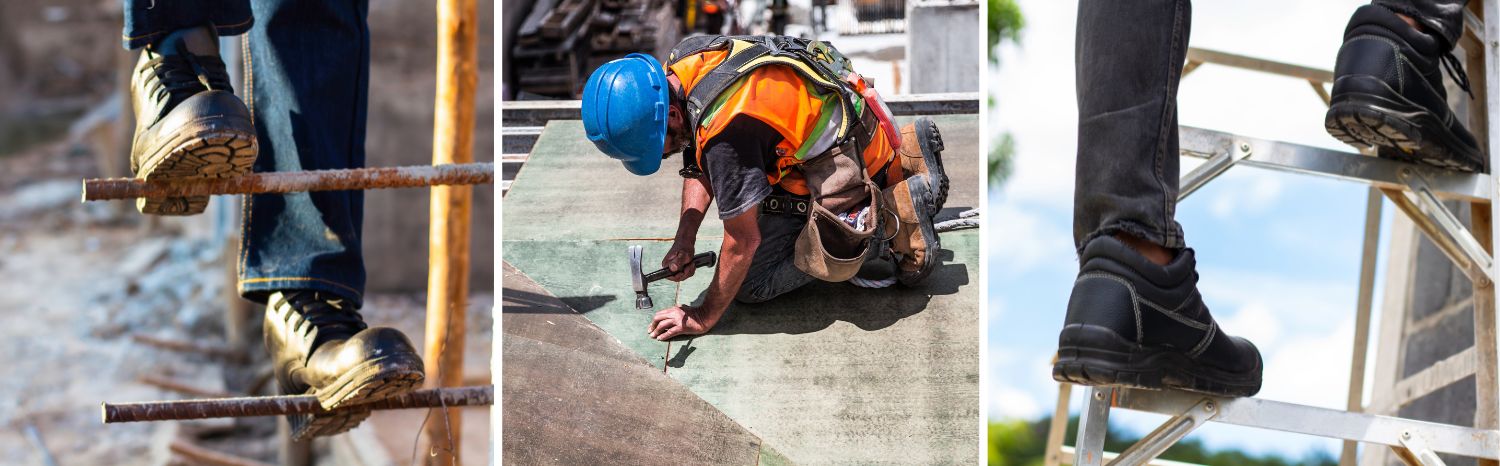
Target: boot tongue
column 200, row 40
column 329, row 314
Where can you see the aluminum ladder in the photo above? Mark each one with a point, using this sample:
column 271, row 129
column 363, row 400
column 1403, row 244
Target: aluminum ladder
column 1418, row 192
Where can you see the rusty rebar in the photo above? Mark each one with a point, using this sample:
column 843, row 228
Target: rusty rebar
column 291, row 182
column 481, row 395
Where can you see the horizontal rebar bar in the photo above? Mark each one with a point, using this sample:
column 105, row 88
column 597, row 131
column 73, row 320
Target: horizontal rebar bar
column 291, row 182
column 481, row 395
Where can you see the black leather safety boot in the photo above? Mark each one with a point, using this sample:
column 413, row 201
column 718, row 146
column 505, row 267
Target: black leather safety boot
column 320, row 348
column 912, row 236
column 189, row 123
column 1133, row 323
column 921, row 153
column 1388, row 93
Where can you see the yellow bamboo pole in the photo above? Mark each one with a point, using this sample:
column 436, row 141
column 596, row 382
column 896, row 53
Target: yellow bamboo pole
column 448, row 233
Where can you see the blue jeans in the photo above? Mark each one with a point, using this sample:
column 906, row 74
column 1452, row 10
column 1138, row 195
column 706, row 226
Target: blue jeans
column 1129, row 58
column 308, row 89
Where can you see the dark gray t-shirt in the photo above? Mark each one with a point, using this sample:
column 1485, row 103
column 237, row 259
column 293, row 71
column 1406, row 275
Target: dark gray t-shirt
column 736, row 162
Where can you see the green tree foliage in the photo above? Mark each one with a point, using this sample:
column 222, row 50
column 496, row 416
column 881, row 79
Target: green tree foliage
column 1019, row 443
column 1004, row 23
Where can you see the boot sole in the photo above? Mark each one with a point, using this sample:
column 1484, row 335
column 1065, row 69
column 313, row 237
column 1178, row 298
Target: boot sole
column 1096, row 356
column 212, row 153
column 1408, row 132
column 923, row 198
column 374, row 380
column 931, row 142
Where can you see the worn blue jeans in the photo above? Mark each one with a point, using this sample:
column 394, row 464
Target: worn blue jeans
column 308, row 87
column 1129, row 58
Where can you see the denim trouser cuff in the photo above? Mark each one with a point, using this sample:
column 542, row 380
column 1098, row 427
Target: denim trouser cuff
column 260, row 289
column 148, row 20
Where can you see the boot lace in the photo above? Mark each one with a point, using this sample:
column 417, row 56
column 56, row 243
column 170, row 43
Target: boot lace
column 1455, row 70
column 325, row 313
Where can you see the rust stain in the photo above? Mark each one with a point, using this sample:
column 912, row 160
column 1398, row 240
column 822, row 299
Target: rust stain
column 301, row 181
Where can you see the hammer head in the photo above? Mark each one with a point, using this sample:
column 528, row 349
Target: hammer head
column 638, row 280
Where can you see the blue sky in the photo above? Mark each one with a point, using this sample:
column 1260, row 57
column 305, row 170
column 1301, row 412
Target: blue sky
column 1278, row 253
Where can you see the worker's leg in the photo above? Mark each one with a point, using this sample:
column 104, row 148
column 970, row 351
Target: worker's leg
column 189, row 123
column 1388, row 90
column 772, row 270
column 149, row 20
column 1129, row 59
column 309, row 64
column 1135, row 317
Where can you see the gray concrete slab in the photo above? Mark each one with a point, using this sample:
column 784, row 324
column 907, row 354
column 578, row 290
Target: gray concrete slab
column 574, row 395
column 830, row 374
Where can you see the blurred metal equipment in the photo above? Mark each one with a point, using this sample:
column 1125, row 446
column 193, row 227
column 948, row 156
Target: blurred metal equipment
column 561, row 41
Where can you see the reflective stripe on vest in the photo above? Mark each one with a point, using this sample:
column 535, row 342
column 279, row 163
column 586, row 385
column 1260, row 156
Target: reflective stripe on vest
column 777, row 91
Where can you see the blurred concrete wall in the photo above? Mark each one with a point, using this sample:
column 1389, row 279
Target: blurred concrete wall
column 943, row 45
column 402, row 91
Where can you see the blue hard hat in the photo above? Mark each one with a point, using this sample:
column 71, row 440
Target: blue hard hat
column 625, row 111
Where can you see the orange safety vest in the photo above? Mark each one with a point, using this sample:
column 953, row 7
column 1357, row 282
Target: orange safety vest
column 778, row 96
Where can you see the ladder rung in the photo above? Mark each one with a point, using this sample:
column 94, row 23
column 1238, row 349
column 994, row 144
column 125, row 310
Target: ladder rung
column 1198, row 55
column 1067, row 457
column 1440, row 374
column 1297, row 158
column 1322, row 422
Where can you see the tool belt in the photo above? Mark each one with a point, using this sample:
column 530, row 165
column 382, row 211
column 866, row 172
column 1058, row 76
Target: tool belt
column 785, row 205
column 828, row 248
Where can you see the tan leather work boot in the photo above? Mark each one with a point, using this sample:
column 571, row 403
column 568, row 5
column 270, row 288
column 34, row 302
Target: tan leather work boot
column 921, row 153
column 914, row 242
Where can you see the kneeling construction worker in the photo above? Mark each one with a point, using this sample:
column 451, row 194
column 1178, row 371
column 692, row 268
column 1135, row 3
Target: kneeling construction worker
column 810, row 174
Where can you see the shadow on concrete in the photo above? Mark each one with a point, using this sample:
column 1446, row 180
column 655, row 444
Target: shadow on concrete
column 680, row 359
column 816, row 306
column 533, row 303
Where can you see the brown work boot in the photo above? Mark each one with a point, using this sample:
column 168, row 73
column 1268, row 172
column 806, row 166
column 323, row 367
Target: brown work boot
column 922, row 154
column 914, row 241
column 320, row 346
column 189, row 123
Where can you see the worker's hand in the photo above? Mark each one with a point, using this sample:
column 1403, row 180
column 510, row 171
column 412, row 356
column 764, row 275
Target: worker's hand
column 678, row 320
column 680, row 261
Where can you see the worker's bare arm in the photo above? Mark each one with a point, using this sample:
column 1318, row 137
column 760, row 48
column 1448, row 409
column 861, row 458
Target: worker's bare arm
column 741, row 238
column 695, row 199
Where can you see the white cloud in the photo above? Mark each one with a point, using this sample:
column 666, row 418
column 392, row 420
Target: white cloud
column 1022, row 242
column 1251, row 192
column 1254, row 321
column 1311, row 370
column 1012, row 403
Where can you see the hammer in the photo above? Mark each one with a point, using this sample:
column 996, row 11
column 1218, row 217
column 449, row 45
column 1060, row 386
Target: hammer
column 639, row 280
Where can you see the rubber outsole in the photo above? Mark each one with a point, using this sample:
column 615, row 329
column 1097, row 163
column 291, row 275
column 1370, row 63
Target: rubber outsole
column 215, row 153
column 372, row 381
column 920, row 196
column 931, row 141
column 1412, row 135
column 1087, row 358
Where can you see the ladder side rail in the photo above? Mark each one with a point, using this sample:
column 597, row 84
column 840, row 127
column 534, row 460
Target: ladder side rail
column 1317, row 421
column 1093, row 425
column 1486, row 327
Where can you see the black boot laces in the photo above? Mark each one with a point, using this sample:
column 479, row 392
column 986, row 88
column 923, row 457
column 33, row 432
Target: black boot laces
column 179, row 76
column 1455, row 70
column 325, row 313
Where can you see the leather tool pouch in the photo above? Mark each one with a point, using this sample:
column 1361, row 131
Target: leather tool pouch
column 828, row 248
